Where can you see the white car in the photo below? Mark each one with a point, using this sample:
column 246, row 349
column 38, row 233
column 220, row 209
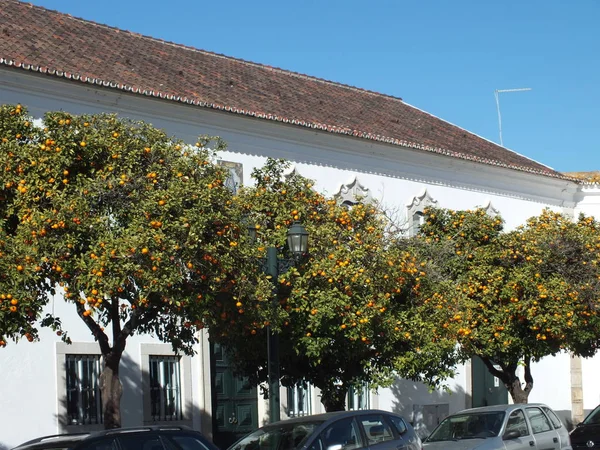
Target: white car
column 531, row 426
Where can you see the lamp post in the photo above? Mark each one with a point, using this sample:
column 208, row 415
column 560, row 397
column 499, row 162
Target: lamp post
column 297, row 242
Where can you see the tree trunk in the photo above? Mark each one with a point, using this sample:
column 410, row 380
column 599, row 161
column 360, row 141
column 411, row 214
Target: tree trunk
column 111, row 390
column 508, row 376
column 334, row 398
column 516, row 391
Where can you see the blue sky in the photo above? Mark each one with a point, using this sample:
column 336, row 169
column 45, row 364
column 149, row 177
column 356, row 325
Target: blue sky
column 445, row 57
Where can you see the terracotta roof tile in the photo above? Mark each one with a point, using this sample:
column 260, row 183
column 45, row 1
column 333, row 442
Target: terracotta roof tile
column 49, row 42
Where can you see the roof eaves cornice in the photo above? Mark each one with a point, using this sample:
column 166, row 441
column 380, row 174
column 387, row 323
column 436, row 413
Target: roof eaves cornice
column 273, row 117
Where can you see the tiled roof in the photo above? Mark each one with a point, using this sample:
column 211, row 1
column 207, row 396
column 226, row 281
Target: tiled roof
column 591, row 177
column 56, row 44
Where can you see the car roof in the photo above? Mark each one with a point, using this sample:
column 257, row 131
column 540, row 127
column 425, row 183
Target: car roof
column 496, row 408
column 55, row 440
column 324, row 417
column 142, row 429
column 52, row 441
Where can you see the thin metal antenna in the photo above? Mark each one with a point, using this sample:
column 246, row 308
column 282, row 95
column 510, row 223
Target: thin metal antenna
column 496, row 92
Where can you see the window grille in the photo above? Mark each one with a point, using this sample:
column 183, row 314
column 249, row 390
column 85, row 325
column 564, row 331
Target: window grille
column 84, row 404
column 359, row 398
column 299, row 400
column 165, row 388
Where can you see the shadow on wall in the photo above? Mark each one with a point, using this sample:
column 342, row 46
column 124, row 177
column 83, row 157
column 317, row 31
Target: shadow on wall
column 134, row 410
column 424, row 408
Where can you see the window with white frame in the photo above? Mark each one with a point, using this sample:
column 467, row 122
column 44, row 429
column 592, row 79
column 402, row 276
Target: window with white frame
column 165, row 388
column 359, row 398
column 298, row 400
column 83, row 401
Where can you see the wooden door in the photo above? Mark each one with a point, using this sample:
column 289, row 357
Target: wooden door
column 234, row 401
column 487, row 389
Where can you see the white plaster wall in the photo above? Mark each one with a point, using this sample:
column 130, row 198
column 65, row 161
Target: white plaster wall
column 589, row 201
column 552, row 382
column 29, row 402
column 407, row 398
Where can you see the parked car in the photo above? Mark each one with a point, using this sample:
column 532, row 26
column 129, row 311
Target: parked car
column 344, row 430
column 141, row 438
column 586, row 435
column 511, row 427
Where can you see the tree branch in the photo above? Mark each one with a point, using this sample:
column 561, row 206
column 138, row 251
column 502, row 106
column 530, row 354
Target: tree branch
column 113, row 307
column 96, row 330
column 136, row 320
column 501, row 375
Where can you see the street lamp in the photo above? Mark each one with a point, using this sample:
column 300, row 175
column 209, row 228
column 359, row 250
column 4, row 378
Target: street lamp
column 297, row 242
column 297, row 239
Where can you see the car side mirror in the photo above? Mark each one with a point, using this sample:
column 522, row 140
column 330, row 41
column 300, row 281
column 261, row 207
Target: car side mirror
column 513, row 434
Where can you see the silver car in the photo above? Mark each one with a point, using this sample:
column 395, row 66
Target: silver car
column 344, row 430
column 510, row 427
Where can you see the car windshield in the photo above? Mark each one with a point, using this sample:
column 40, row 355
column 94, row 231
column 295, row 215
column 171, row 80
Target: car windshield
column 593, row 418
column 468, row 426
column 287, row 436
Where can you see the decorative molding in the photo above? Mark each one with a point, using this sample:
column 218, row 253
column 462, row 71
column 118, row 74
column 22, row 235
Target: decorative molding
column 490, row 210
column 352, row 192
column 415, row 210
column 419, row 202
column 291, row 172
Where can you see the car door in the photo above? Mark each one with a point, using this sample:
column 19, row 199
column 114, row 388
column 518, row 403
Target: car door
column 102, row 443
column 343, row 434
column 408, row 439
column 563, row 434
column 516, row 422
column 546, row 437
column 379, row 434
column 177, row 440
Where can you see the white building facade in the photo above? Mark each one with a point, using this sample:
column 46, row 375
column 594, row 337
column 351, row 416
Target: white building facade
column 37, row 378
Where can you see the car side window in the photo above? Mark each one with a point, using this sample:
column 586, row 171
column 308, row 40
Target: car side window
column 538, row 420
column 376, row 428
column 516, row 422
column 399, row 424
column 140, row 441
column 556, row 422
column 343, row 432
column 107, row 443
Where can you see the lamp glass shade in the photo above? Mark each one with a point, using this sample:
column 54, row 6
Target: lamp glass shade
column 297, row 239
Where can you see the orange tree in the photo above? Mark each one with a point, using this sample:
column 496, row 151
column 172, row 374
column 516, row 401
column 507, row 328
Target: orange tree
column 134, row 228
column 515, row 297
column 346, row 313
